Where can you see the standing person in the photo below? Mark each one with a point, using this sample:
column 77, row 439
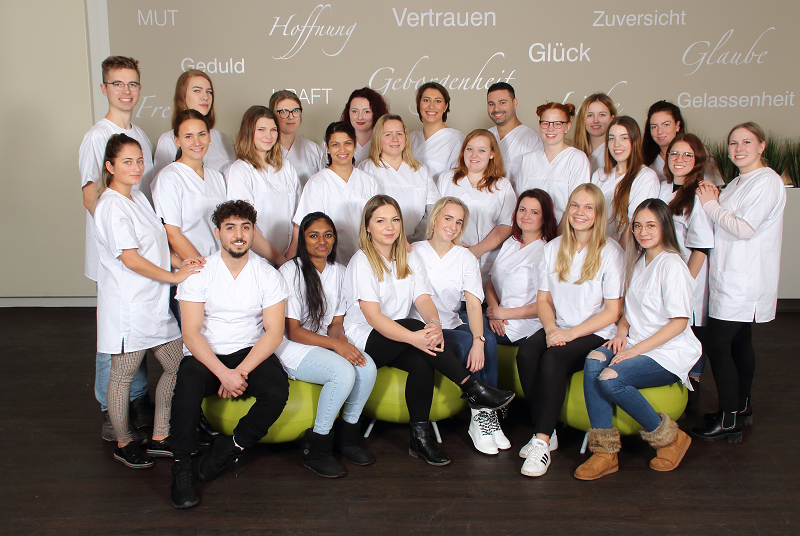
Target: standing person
column 579, row 299
column 743, row 276
column 479, row 181
column 133, row 296
column 436, row 145
column 340, row 190
column 363, row 108
column 194, row 91
column 232, row 320
column 686, row 157
column 381, row 284
column 399, row 175
column 305, row 155
column 654, row 346
column 556, row 168
column 591, row 125
column 316, row 349
column 264, row 179
column 625, row 181
column 122, row 89
column 515, row 139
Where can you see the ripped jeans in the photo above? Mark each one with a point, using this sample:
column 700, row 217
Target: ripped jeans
column 602, row 390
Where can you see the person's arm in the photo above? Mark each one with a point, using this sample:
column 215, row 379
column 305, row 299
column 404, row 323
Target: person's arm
column 620, row 339
column 336, row 340
column 89, row 191
column 497, row 326
column 178, row 242
column 511, row 313
column 269, row 340
column 612, row 311
column 391, row 329
column 672, row 329
column 724, row 218
column 493, row 240
column 292, row 250
column 265, row 249
column 696, row 260
column 138, row 264
column 547, row 313
column 475, row 360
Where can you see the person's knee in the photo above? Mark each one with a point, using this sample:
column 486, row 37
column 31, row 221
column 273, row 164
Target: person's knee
column 607, row 374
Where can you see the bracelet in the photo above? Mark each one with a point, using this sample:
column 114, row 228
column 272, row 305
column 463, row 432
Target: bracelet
column 432, row 320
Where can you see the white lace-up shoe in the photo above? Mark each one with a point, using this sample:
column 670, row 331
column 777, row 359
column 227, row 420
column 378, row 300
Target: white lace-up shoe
column 523, row 452
column 499, row 437
column 538, row 459
column 481, row 429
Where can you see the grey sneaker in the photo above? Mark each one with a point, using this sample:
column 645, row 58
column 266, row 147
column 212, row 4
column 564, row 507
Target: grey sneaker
column 108, row 430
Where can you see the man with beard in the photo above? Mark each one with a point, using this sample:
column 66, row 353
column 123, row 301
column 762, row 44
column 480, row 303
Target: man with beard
column 232, row 322
column 515, row 139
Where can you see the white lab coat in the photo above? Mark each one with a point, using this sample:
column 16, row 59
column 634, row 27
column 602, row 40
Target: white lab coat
column 558, row 178
column 307, row 157
column 597, row 159
column 645, row 186
column 514, row 145
column 440, row 152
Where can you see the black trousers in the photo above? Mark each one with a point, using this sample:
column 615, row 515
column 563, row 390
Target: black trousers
column 267, row 382
column 729, row 346
column 543, row 373
column 419, row 365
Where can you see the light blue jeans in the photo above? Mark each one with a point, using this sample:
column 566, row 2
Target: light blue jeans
column 344, row 385
column 102, row 374
column 632, row 374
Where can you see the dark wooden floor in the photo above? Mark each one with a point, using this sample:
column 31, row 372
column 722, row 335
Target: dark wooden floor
column 58, row 477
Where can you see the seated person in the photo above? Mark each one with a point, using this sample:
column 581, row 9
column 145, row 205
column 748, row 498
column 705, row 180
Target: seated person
column 232, row 322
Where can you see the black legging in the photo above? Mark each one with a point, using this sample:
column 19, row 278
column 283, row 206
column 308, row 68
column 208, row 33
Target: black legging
column 729, row 346
column 543, row 373
column 419, row 365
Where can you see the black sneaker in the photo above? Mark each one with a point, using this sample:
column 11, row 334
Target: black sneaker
column 133, row 456
column 141, row 412
column 160, row 448
column 182, row 490
column 222, row 454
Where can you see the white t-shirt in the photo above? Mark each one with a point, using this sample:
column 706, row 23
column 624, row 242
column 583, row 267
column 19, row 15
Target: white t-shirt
column 413, row 190
column 307, row 158
column 744, row 274
column 657, row 292
column 487, row 210
column 598, row 158
column 575, row 304
column 90, row 163
column 515, row 145
column 395, row 296
column 558, row 178
column 132, row 310
column 185, row 200
column 440, row 152
column 693, row 231
column 342, row 201
column 233, row 315
column 292, row 353
column 450, row 277
column 219, row 156
column 515, row 277
column 274, row 194
column 645, row 186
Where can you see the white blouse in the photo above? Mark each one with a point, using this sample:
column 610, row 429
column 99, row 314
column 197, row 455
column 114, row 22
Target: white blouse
column 514, row 146
column 558, row 178
column 307, row 158
column 440, row 152
column 645, row 186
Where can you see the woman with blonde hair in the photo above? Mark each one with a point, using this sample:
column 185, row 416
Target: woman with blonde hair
column 591, row 124
column 264, row 179
column 382, row 283
column 580, row 284
column 306, row 156
column 399, row 174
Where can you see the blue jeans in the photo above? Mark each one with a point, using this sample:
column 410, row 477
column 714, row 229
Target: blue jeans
column 344, row 385
column 637, row 373
column 460, row 341
column 102, row 374
column 489, row 347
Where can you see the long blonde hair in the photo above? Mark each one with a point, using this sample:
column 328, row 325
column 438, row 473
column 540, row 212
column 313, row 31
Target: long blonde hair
column 375, row 143
column 437, row 209
column 569, row 241
column 399, row 248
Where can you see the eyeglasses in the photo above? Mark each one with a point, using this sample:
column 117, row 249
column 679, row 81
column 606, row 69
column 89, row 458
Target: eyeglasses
column 286, row 113
column 637, row 228
column 555, row 124
column 686, row 156
column 120, row 86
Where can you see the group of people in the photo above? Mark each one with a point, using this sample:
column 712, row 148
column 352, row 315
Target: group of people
column 617, row 255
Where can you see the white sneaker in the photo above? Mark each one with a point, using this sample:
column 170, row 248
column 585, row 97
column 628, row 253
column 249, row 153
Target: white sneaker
column 538, row 459
column 526, row 449
column 480, row 430
column 499, row 437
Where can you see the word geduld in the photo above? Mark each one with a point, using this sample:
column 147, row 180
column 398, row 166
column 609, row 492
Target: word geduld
column 214, row 66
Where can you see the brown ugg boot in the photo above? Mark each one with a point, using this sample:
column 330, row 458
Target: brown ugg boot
column 670, row 443
column 604, row 444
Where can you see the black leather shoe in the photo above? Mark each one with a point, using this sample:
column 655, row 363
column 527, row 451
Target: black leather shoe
column 725, row 426
column 345, row 443
column 182, row 490
column 422, row 446
column 481, row 396
column 743, row 417
column 206, row 427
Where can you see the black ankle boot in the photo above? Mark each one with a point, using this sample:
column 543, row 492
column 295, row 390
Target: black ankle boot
column 318, row 457
column 743, row 417
column 724, row 426
column 423, row 446
column 345, row 443
column 481, row 396
column 206, row 427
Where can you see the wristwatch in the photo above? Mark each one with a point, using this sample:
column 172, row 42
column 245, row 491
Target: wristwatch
column 481, row 337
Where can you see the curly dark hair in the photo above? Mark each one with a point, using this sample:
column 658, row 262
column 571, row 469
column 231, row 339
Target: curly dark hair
column 233, row 209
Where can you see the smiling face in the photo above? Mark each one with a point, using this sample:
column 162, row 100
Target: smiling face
column 477, row 154
column 292, row 122
column 598, row 117
column 341, row 148
column 679, row 164
column 235, row 235
column 745, row 150
column 193, row 140
column 266, row 132
column 646, row 229
column 501, row 107
column 529, row 215
column 393, row 139
column 125, row 99
column 384, row 228
column 581, row 211
column 552, row 135
column 128, row 167
column 663, row 128
column 449, row 224
column 361, row 115
column 199, row 95
column 432, row 106
column 319, row 239
column 619, row 143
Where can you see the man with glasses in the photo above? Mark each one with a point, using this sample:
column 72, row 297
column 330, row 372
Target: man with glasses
column 122, row 89
column 515, row 139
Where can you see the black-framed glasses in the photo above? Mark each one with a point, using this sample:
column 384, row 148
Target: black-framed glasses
column 283, row 114
column 555, row 124
column 120, row 85
column 686, row 156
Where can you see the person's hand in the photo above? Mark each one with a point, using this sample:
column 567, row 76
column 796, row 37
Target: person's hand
column 617, row 344
column 559, row 337
column 624, row 355
column 475, row 359
column 350, row 352
column 233, row 383
column 419, row 340
column 495, row 312
column 409, row 247
column 498, row 326
column 707, row 191
column 434, row 335
column 189, row 266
